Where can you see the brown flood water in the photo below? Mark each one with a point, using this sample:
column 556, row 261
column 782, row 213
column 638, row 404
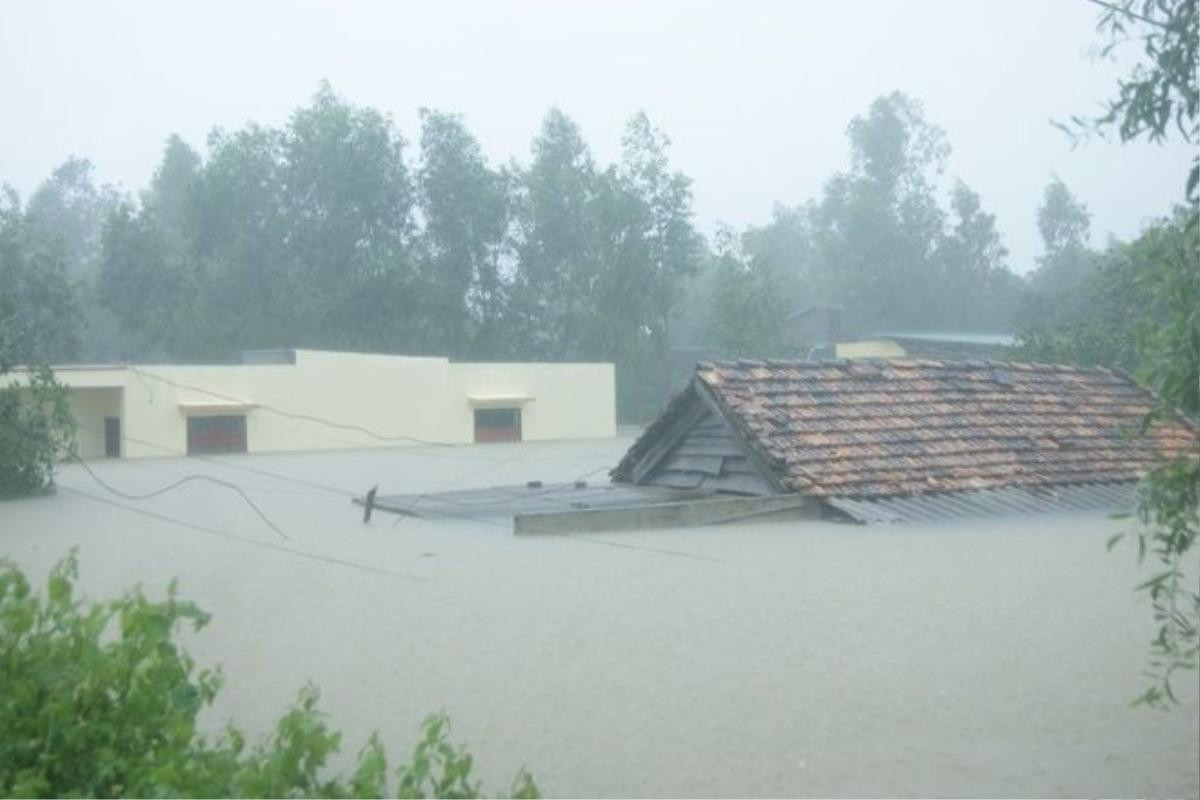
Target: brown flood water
column 786, row 659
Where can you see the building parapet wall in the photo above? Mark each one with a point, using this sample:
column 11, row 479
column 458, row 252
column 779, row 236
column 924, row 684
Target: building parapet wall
column 332, row 400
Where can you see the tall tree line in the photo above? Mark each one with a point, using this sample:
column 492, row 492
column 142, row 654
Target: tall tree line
column 885, row 240
column 334, row 231
column 323, row 233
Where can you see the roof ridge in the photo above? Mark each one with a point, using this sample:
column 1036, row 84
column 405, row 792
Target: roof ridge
column 907, row 362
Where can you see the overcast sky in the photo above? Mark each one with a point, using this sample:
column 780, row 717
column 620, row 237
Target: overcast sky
column 755, row 96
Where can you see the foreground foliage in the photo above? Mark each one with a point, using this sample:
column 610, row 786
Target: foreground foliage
column 36, row 427
column 1169, row 500
column 36, row 324
column 1160, row 98
column 99, row 700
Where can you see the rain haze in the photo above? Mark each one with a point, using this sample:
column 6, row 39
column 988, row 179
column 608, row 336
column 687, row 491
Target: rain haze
column 755, row 97
column 566, row 399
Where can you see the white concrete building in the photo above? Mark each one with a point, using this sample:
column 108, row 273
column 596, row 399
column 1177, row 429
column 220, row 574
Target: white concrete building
column 288, row 400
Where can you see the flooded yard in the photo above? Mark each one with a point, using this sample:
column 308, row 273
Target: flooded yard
column 991, row 658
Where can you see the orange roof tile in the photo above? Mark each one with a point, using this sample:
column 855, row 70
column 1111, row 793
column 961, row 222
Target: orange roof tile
column 893, row 427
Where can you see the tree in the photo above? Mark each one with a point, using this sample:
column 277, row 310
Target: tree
column 298, row 236
column 145, row 280
column 69, row 209
column 317, row 234
column 347, row 203
column 1056, row 289
column 601, row 255
column 650, row 246
column 38, row 323
column 886, row 249
column 749, row 308
column 880, row 243
column 1169, row 497
column 36, row 429
column 227, row 227
column 1113, row 315
column 784, row 249
column 973, row 265
column 69, row 206
column 877, row 225
column 465, row 210
column 42, row 317
column 101, row 701
column 1158, row 98
column 555, row 241
column 664, row 204
column 172, row 195
column 1065, row 227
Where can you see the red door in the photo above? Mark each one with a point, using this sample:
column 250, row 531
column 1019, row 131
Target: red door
column 497, row 425
column 224, row 434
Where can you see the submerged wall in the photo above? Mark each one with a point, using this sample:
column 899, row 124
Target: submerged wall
column 340, row 400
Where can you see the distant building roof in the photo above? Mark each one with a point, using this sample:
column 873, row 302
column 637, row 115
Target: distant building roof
column 871, row 348
column 950, row 337
column 814, row 309
column 279, row 355
column 892, row 428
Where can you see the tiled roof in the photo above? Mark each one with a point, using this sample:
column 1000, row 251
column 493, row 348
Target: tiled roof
column 903, row 426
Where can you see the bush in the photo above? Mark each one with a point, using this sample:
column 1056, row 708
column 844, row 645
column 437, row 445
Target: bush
column 36, row 427
column 100, row 701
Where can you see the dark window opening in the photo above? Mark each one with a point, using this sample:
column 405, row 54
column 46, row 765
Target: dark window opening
column 112, row 437
column 497, row 425
column 225, row 434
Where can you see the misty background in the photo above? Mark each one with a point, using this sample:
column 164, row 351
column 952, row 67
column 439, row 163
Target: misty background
column 754, row 96
column 648, row 186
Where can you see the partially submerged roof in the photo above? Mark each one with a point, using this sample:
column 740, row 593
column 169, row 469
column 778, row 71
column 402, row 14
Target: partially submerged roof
column 895, row 428
column 534, row 497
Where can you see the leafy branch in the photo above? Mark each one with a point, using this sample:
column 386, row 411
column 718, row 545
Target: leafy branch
column 100, row 701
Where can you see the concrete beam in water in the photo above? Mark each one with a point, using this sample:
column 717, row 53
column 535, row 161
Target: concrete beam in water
column 669, row 515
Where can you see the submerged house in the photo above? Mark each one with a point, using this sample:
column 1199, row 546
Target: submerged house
column 297, row 400
column 889, row 440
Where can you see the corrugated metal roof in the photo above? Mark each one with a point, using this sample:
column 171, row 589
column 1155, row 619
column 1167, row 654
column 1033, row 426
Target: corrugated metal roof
column 943, row 506
column 532, row 498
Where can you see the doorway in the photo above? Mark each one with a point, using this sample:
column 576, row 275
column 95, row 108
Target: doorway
column 112, row 437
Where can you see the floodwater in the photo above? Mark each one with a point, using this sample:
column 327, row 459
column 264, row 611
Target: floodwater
column 989, row 658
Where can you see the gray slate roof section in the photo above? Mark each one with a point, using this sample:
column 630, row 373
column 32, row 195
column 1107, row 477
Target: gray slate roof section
column 940, row 507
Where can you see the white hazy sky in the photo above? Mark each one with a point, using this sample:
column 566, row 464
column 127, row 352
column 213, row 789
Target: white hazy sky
column 755, row 95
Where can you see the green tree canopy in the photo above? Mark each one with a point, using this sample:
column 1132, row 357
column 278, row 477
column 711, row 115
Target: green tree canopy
column 39, row 310
column 464, row 207
column 1159, row 98
column 880, row 241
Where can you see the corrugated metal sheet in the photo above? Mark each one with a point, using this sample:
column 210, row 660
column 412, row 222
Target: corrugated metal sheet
column 507, row 501
column 938, row 507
